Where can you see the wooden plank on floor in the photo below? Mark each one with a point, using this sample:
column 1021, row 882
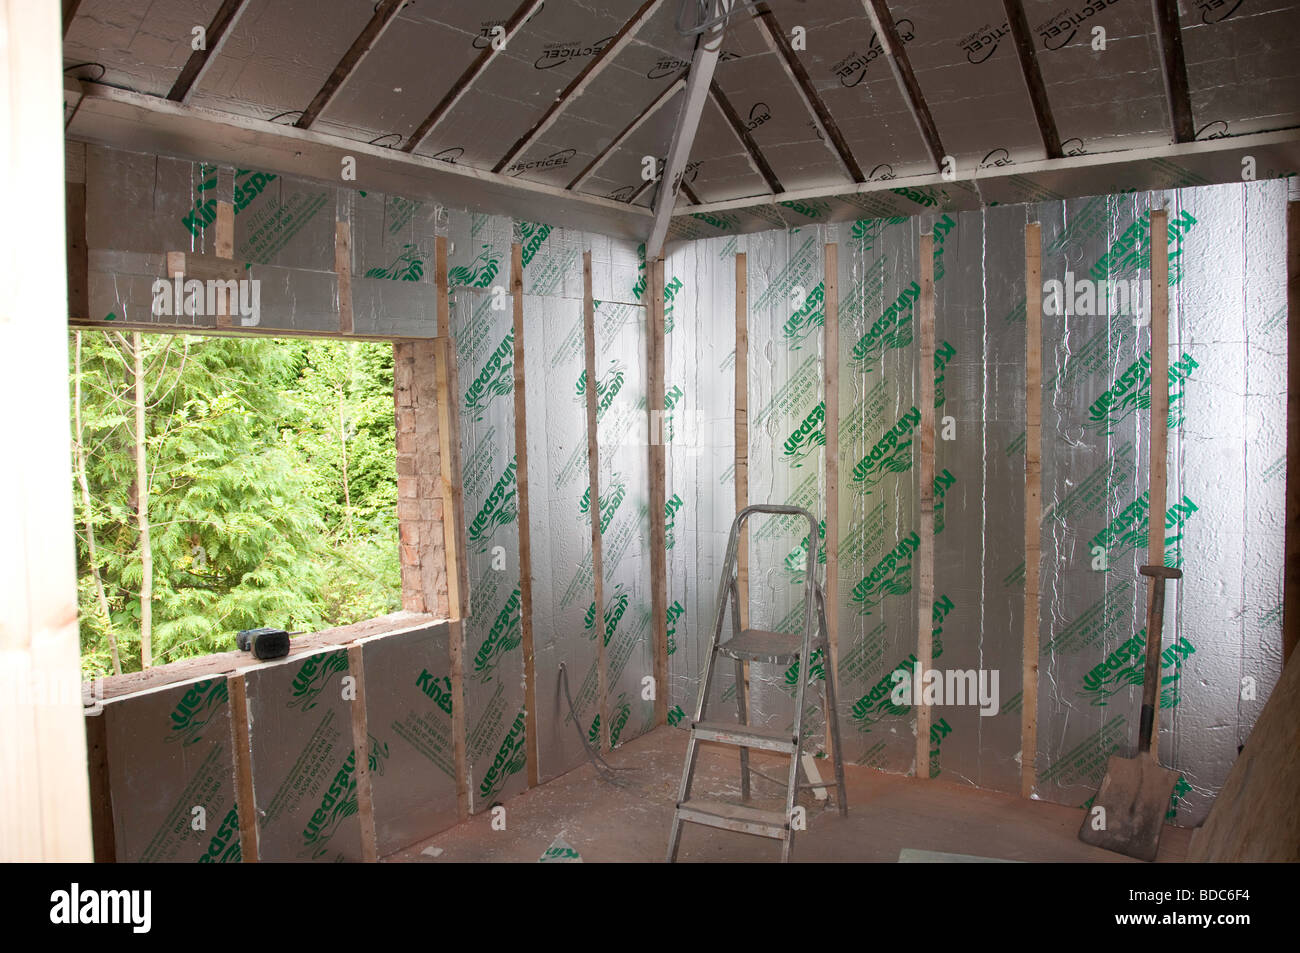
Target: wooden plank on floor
column 1033, row 501
column 361, row 756
column 593, row 487
column 924, row 558
column 742, row 430
column 1159, row 463
column 658, row 501
column 831, row 304
column 521, row 493
column 241, row 757
column 1291, row 577
column 343, row 268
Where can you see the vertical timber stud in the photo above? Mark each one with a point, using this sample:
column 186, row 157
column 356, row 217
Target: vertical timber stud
column 831, row 304
column 101, row 792
column 361, row 756
column 225, row 248
column 44, row 790
column 453, row 513
column 925, row 552
column 658, row 533
column 453, row 521
column 521, row 490
column 593, row 486
column 1033, row 501
column 1291, row 577
column 1159, row 409
column 242, row 749
column 742, row 430
column 343, row 268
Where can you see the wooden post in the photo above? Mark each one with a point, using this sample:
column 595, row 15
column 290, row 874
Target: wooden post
column 593, row 489
column 1033, row 502
column 343, row 268
column 101, row 790
column 453, row 504
column 44, row 787
column 459, row 747
column 1291, row 577
column 525, row 539
column 925, row 529
column 658, row 480
column 831, row 303
column 1159, row 413
column 361, row 756
column 225, row 249
column 241, row 748
column 742, row 432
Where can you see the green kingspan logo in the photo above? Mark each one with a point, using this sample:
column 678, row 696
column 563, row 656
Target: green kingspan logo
column 1132, row 391
column 892, row 453
column 1125, row 667
column 615, row 607
column 497, row 510
column 197, row 707
column 313, row 676
column 807, row 437
column 505, row 634
column 892, row 576
column 811, row 315
column 496, row 378
column 893, row 329
column 480, row 273
column 510, row 759
column 407, row 266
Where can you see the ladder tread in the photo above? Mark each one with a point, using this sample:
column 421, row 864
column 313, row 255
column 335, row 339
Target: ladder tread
column 760, row 645
column 735, row 817
column 746, row 736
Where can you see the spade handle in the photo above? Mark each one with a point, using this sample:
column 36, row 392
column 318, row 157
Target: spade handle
column 1151, row 672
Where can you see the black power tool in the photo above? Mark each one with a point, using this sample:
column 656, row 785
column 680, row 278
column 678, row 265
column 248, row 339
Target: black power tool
column 264, row 643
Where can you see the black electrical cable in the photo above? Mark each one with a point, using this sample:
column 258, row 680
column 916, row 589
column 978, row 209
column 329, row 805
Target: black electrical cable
column 592, row 755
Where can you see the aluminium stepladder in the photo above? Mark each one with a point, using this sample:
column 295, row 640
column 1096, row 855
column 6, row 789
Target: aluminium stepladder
column 756, row 645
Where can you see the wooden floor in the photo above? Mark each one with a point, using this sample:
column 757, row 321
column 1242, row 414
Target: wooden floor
column 887, row 813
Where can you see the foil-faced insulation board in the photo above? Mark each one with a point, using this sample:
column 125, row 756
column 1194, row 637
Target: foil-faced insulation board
column 408, row 718
column 482, row 326
column 622, row 427
column 171, row 774
column 699, row 437
column 1227, row 461
column 304, row 766
column 565, row 617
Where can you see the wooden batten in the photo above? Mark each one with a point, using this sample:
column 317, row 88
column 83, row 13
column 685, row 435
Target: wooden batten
column 241, row 747
column 1159, row 465
column 831, row 587
column 521, row 494
column 593, row 486
column 658, row 494
column 1291, row 584
column 1033, row 502
column 742, row 430
column 924, row 558
column 343, row 268
column 361, row 755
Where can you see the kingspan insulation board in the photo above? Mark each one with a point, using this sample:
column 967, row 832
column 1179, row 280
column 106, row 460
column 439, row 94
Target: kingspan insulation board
column 622, row 428
column 482, row 325
column 565, row 617
column 408, row 717
column 699, row 436
column 787, row 437
column 303, row 762
column 171, row 774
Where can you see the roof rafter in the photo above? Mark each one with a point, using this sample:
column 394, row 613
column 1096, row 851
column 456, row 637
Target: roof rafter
column 1024, row 42
column 580, row 82
column 659, row 102
column 883, row 22
column 1173, row 68
column 780, row 43
column 385, row 13
column 738, row 126
column 223, row 22
column 459, row 88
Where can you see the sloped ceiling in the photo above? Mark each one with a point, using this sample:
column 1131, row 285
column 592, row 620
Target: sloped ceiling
column 808, row 115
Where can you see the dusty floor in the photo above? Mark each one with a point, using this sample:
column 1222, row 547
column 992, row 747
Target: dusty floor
column 887, row 813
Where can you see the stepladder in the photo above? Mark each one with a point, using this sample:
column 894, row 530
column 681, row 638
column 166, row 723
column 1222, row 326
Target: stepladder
column 755, row 646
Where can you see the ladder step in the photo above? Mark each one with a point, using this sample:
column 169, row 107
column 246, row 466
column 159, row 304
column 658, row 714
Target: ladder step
column 746, row 736
column 734, row 817
column 757, row 645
